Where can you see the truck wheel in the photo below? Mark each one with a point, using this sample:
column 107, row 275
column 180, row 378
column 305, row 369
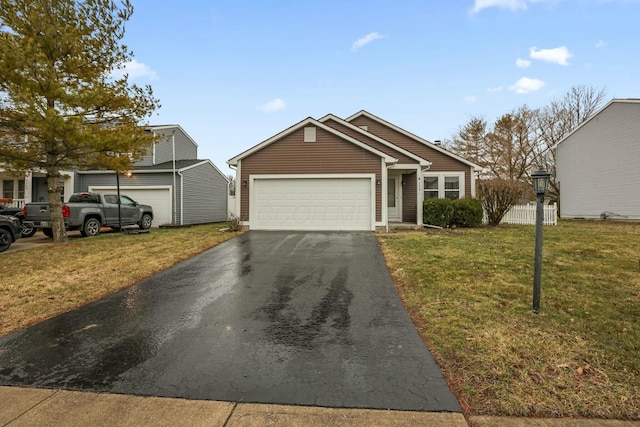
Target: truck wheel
column 28, row 229
column 5, row 239
column 48, row 232
column 145, row 222
column 90, row 228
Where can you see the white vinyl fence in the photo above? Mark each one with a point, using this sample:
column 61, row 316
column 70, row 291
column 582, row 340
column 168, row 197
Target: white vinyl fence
column 526, row 214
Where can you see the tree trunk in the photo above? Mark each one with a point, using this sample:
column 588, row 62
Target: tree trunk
column 55, row 206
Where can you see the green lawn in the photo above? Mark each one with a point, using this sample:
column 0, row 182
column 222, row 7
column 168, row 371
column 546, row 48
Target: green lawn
column 42, row 282
column 469, row 292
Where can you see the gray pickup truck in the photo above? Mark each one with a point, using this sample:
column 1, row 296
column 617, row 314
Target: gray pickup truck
column 88, row 212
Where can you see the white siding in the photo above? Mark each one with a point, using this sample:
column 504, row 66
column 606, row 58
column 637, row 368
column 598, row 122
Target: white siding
column 598, row 165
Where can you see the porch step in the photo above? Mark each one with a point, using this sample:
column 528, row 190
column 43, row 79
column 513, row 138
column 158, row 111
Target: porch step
column 402, row 226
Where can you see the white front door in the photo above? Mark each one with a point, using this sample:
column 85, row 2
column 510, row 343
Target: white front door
column 394, row 199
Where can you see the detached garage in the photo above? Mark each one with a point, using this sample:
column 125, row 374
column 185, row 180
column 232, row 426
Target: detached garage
column 311, row 177
column 312, row 203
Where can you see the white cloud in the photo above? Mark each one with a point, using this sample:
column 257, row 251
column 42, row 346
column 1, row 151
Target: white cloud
column 274, row 105
column 363, row 41
column 497, row 89
column 470, row 99
column 526, row 85
column 522, row 63
column 478, row 5
column 134, row 70
column 559, row 55
column 601, row 43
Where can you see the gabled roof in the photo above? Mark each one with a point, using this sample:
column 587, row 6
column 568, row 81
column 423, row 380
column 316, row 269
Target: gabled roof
column 169, row 127
column 615, row 100
column 412, row 136
column 420, row 160
column 307, row 122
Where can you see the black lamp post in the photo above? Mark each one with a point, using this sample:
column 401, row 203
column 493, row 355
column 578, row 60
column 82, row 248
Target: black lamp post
column 119, row 207
column 128, row 174
column 540, row 180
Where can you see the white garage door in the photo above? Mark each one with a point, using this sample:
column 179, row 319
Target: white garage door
column 311, row 204
column 158, row 198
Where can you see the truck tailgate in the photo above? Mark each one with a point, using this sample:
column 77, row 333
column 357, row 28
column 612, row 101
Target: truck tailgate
column 39, row 214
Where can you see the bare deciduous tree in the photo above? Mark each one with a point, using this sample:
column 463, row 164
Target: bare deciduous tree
column 521, row 141
column 512, row 146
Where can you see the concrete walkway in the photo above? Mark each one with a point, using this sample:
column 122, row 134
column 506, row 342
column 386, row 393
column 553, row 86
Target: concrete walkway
column 41, row 407
column 44, row 407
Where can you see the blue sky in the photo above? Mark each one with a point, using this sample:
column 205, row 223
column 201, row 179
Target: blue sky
column 234, row 73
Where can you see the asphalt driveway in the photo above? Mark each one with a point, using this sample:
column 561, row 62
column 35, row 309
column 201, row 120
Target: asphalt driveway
column 271, row 317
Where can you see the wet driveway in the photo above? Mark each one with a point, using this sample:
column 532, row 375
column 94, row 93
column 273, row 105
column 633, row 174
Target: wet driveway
column 272, row 317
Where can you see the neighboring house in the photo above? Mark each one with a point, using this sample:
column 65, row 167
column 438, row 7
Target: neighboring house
column 361, row 173
column 597, row 164
column 181, row 188
column 31, row 187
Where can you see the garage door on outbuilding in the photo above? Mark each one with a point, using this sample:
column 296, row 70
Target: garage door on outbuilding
column 312, row 203
column 158, row 197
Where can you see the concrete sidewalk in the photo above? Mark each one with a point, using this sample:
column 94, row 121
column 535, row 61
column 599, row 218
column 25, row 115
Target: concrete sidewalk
column 43, row 407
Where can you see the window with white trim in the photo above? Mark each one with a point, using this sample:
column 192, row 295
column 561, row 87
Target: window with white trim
column 448, row 185
column 7, row 189
column 431, row 187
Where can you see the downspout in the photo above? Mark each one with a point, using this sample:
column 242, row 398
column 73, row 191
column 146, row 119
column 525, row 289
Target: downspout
column 239, row 192
column 175, row 203
column 473, row 182
column 181, row 198
column 235, row 193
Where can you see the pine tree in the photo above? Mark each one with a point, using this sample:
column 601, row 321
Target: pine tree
column 60, row 105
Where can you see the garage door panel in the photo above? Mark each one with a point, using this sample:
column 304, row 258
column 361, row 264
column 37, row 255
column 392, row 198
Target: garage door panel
column 312, row 204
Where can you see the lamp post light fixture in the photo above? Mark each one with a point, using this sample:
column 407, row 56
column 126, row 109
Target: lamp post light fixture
column 540, row 180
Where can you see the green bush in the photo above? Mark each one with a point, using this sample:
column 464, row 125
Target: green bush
column 437, row 212
column 467, row 213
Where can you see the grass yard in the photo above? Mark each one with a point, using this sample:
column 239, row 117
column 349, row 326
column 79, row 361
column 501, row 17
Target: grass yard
column 43, row 282
column 469, row 292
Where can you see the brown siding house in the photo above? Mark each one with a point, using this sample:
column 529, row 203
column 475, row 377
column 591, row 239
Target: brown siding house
column 361, row 173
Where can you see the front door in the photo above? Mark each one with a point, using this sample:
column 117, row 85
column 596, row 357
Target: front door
column 394, row 199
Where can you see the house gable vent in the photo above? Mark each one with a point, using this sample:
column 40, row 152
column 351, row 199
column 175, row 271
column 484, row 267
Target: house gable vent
column 310, row 134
